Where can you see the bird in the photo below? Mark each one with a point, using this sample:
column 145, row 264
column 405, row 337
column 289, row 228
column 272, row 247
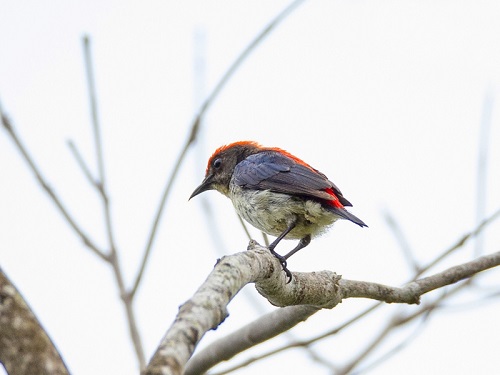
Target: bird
column 277, row 193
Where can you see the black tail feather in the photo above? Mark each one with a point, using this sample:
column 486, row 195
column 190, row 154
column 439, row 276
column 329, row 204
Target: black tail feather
column 344, row 214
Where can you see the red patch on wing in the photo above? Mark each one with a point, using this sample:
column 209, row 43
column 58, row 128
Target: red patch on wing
column 334, row 201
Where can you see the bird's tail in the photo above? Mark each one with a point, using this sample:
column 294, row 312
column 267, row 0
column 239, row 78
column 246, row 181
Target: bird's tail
column 344, row 214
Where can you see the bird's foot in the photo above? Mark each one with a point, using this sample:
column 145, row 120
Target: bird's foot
column 282, row 260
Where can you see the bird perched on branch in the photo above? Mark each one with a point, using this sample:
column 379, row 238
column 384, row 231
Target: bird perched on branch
column 276, row 192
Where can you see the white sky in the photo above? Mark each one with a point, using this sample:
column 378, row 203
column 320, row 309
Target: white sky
column 385, row 97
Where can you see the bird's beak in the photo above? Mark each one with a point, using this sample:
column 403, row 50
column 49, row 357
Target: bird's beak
column 204, row 186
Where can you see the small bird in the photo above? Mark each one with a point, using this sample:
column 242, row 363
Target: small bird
column 276, row 192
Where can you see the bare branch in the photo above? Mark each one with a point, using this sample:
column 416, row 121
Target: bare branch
column 101, row 184
column 482, row 165
column 461, row 242
column 20, row 333
column 93, row 108
column 239, row 60
column 398, row 320
column 102, row 189
column 81, row 163
column 296, row 344
column 156, row 221
column 411, row 292
column 400, row 346
column 247, row 232
column 207, row 308
column 46, row 187
column 260, row 330
column 402, row 241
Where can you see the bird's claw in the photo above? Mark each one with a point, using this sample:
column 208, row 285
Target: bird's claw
column 283, row 263
column 288, row 273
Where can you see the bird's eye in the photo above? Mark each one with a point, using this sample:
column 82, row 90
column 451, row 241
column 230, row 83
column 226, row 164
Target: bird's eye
column 217, row 163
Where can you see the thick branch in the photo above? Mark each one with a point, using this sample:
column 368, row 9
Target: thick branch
column 207, row 308
column 260, row 330
column 25, row 348
column 325, row 289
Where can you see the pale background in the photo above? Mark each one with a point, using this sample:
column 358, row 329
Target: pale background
column 385, row 97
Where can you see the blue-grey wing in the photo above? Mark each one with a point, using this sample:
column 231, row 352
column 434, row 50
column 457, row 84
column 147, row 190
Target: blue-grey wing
column 270, row 170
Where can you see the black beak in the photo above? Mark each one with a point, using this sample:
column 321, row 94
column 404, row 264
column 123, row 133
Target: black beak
column 204, row 186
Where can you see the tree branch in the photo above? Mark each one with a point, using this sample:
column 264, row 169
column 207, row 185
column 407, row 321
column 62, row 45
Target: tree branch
column 411, row 292
column 25, row 348
column 46, row 186
column 325, row 289
column 81, row 163
column 260, row 330
column 101, row 186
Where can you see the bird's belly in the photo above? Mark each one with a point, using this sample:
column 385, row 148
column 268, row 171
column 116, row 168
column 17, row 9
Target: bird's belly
column 273, row 212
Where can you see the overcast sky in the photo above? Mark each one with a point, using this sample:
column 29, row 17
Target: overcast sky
column 386, row 98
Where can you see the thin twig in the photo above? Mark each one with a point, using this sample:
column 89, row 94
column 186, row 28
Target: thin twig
column 398, row 321
column 482, row 165
column 473, row 304
column 472, row 234
column 266, row 238
column 48, row 189
column 81, row 163
column 102, row 189
column 242, row 57
column 161, row 206
column 93, row 107
column 101, row 184
column 195, row 130
column 404, row 245
column 372, row 345
column 395, row 322
column 400, row 346
column 245, row 228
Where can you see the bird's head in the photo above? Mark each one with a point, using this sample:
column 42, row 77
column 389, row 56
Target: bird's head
column 221, row 165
